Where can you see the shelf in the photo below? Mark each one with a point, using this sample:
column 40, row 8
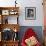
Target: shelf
column 4, row 8
column 9, row 10
column 9, row 19
column 10, row 26
column 5, row 12
column 9, row 22
column 11, row 41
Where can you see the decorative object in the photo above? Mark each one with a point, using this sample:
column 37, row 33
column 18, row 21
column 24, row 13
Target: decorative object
column 31, row 41
column 13, row 12
column 15, row 37
column 30, row 13
column 15, row 3
column 7, row 34
column 5, row 12
column 30, row 38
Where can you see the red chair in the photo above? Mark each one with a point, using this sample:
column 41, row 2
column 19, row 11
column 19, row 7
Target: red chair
column 29, row 33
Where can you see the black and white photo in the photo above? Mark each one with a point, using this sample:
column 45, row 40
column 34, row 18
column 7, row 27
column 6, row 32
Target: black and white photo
column 30, row 13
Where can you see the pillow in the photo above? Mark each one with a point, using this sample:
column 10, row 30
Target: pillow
column 31, row 41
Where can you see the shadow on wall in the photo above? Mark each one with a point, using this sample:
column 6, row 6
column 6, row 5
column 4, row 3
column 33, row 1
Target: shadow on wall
column 37, row 29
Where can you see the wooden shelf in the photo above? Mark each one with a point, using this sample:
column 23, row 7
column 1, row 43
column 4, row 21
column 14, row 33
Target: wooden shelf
column 10, row 43
column 4, row 13
column 11, row 26
column 9, row 8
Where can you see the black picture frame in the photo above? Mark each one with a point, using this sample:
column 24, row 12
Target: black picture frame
column 30, row 13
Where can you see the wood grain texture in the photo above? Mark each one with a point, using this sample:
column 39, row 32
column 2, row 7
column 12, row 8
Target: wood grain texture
column 11, row 26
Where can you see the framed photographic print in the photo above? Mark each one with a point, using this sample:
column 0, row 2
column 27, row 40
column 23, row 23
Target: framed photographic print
column 30, row 13
column 5, row 12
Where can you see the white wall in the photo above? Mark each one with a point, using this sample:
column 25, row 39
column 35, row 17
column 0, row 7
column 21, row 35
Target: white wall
column 27, row 3
column 39, row 12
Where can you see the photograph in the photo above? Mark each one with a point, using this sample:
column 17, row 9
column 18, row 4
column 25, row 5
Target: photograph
column 30, row 13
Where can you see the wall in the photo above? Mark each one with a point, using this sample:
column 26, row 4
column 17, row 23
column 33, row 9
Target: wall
column 27, row 3
column 39, row 13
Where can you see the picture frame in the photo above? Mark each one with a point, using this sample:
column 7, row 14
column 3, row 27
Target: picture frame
column 5, row 12
column 30, row 13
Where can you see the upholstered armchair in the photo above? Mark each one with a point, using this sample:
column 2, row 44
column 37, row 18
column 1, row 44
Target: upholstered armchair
column 30, row 38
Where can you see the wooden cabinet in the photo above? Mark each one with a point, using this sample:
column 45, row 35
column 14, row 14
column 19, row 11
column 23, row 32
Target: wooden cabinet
column 9, row 23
